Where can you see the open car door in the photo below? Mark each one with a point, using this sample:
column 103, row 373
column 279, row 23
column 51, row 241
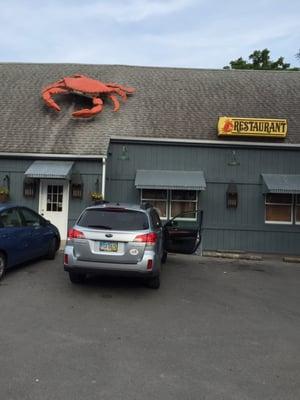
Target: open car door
column 182, row 234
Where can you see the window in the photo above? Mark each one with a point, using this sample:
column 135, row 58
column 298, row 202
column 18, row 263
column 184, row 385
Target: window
column 114, row 219
column 183, row 201
column 170, row 203
column 280, row 208
column 30, row 218
column 10, row 218
column 54, row 197
column 158, row 198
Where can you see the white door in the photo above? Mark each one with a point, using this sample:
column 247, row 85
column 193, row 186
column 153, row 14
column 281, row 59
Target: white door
column 54, row 203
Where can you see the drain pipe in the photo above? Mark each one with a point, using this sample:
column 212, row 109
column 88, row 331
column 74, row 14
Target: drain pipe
column 103, row 176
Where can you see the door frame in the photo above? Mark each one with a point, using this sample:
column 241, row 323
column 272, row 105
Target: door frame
column 66, row 194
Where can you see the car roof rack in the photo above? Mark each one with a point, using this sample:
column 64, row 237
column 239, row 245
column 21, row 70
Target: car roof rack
column 98, row 202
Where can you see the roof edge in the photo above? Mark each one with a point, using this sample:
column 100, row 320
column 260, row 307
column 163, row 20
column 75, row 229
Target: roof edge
column 161, row 67
column 49, row 155
column 217, row 143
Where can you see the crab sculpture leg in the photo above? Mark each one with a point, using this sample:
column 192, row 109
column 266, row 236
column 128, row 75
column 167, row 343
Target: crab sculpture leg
column 123, row 88
column 115, row 101
column 121, row 91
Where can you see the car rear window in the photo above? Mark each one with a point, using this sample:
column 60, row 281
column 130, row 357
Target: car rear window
column 114, row 219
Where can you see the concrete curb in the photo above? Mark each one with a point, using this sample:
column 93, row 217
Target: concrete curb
column 251, row 257
column 292, row 259
column 233, row 256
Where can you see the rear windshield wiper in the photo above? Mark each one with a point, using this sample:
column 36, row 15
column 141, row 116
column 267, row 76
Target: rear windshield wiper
column 100, row 226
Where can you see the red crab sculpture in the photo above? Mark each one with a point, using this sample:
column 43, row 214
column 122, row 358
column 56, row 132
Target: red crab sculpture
column 83, row 85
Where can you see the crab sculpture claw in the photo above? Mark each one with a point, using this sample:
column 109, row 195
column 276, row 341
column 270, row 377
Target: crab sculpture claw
column 83, row 85
column 47, row 96
column 89, row 112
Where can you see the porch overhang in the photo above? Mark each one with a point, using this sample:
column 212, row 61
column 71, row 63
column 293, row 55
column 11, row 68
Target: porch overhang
column 50, row 169
column 161, row 179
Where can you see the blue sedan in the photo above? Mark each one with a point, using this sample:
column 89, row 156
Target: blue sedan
column 24, row 236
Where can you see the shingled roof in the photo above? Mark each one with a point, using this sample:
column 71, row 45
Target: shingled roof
column 173, row 103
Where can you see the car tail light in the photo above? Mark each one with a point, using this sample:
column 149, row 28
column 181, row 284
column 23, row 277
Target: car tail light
column 66, row 259
column 149, row 265
column 148, row 238
column 75, row 234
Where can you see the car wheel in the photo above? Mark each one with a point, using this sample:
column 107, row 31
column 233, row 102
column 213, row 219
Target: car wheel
column 76, row 278
column 52, row 249
column 2, row 265
column 153, row 283
column 164, row 257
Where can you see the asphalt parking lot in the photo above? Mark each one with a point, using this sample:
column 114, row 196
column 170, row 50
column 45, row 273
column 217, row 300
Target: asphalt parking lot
column 216, row 329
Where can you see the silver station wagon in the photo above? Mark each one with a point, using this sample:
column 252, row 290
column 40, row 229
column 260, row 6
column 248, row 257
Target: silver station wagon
column 124, row 239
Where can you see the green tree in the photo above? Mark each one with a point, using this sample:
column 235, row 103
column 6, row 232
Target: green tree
column 259, row 59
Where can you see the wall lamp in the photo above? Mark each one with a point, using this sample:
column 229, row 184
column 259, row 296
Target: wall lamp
column 76, row 186
column 124, row 154
column 29, row 187
column 6, row 181
column 232, row 195
column 233, row 162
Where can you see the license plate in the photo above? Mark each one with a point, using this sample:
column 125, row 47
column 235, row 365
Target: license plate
column 108, row 246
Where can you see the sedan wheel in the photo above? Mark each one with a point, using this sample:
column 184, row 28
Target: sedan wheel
column 52, row 249
column 153, row 283
column 2, row 265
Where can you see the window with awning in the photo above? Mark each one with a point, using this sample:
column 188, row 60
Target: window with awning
column 171, row 192
column 281, row 183
column 282, row 198
column 161, row 179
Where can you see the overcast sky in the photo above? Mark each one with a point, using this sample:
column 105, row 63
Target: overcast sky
column 175, row 33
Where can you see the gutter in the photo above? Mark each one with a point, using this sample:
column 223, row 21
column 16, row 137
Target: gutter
column 60, row 156
column 103, row 177
column 195, row 142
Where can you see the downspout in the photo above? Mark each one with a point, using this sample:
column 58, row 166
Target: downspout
column 103, row 176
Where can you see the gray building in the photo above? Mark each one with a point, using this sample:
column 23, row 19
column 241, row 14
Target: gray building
column 161, row 146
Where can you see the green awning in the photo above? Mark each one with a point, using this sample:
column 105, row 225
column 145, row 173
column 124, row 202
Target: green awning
column 160, row 179
column 280, row 183
column 50, row 169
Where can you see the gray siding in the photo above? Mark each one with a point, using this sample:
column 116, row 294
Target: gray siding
column 223, row 229
column 91, row 173
column 15, row 169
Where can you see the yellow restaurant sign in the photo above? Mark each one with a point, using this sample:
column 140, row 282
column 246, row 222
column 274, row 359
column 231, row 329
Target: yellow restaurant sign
column 231, row 126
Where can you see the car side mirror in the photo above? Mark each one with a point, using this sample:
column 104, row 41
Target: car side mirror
column 171, row 223
column 45, row 222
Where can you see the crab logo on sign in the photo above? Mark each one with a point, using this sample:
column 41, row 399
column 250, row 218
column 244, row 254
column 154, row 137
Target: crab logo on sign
column 85, row 86
column 226, row 126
